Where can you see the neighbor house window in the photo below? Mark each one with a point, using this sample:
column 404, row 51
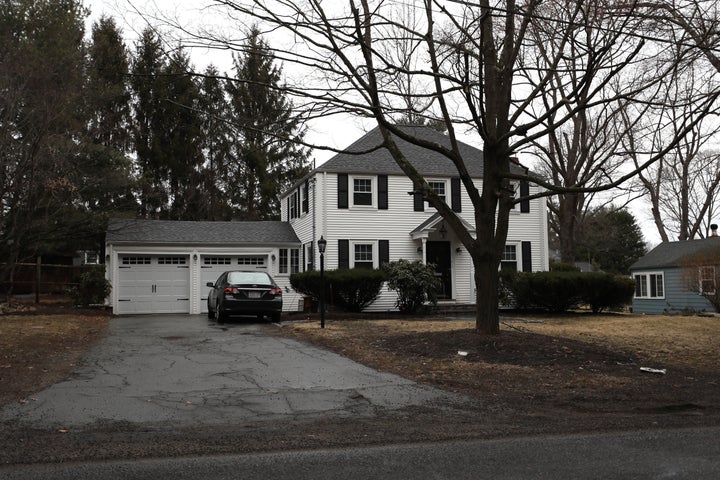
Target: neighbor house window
column 362, row 191
column 649, row 285
column 309, row 254
column 294, row 205
column 707, row 280
column 288, row 260
column 363, row 255
column 509, row 259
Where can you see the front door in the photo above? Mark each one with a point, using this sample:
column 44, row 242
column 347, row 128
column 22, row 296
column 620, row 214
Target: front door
column 438, row 253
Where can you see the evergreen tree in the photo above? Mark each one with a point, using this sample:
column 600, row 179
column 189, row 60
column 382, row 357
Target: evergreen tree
column 41, row 79
column 107, row 163
column 215, row 145
column 148, row 88
column 611, row 240
column 266, row 158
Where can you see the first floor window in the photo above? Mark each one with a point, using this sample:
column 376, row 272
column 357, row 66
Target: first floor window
column 649, row 285
column 309, row 254
column 509, row 259
column 363, row 255
column 707, row 280
column 289, row 260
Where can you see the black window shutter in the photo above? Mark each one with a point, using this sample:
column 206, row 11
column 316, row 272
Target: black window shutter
column 306, row 196
column 418, row 200
column 526, row 257
column 342, row 190
column 524, row 192
column 343, row 253
column 384, row 252
column 382, row 192
column 456, row 205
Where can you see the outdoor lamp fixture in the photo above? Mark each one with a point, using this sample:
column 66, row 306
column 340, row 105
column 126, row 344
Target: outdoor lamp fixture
column 322, row 244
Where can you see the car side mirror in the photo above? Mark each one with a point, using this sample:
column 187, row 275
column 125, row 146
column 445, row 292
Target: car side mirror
column 210, row 284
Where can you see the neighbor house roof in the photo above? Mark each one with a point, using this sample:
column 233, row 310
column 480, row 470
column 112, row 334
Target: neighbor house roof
column 205, row 233
column 673, row 254
column 426, row 161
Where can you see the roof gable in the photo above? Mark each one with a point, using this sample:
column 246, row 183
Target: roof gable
column 200, row 233
column 427, row 162
column 673, row 254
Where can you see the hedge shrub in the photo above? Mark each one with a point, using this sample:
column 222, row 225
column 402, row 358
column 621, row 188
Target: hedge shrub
column 558, row 291
column 351, row 289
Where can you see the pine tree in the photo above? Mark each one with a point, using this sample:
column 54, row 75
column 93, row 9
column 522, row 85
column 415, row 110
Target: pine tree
column 215, row 145
column 148, row 88
column 267, row 158
column 106, row 164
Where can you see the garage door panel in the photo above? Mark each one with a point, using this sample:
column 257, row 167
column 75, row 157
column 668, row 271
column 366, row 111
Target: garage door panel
column 154, row 284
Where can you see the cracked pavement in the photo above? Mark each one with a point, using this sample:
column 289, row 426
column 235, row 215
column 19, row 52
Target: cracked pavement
column 183, row 370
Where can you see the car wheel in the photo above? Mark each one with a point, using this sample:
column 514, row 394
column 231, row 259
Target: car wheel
column 219, row 316
column 275, row 317
column 211, row 312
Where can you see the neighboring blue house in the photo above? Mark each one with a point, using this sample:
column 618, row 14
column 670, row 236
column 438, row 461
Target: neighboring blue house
column 661, row 278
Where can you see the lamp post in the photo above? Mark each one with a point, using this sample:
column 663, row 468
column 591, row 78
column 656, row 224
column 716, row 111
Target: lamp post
column 322, row 244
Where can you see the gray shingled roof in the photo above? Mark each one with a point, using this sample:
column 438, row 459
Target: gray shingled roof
column 427, row 162
column 672, row 254
column 200, row 233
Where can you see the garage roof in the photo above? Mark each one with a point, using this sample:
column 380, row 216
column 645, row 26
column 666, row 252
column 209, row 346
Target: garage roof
column 202, row 233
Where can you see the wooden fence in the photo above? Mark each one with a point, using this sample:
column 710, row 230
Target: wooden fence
column 42, row 278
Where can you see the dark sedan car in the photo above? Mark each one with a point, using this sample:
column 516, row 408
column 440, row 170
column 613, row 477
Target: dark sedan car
column 244, row 293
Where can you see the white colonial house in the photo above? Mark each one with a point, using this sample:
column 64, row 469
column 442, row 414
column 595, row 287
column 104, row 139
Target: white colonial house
column 363, row 205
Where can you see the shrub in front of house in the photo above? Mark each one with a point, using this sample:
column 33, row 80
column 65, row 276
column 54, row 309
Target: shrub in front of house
column 351, row 289
column 602, row 291
column 414, row 282
column 92, row 289
column 307, row 283
column 356, row 288
column 559, row 291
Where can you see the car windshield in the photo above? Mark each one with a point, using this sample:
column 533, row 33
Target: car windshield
column 254, row 278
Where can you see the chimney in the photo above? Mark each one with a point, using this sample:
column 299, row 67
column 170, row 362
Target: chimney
column 714, row 228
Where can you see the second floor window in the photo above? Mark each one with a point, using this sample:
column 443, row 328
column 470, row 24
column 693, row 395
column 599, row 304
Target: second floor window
column 438, row 188
column 362, row 191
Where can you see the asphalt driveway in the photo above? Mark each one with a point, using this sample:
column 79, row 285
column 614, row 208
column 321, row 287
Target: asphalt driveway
column 183, row 370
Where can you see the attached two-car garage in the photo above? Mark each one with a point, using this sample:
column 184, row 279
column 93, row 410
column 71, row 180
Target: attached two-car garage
column 164, row 266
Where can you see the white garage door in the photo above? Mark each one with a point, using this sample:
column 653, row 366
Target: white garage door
column 153, row 284
column 212, row 266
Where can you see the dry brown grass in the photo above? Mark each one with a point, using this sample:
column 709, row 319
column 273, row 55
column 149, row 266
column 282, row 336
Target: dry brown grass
column 38, row 350
column 583, row 362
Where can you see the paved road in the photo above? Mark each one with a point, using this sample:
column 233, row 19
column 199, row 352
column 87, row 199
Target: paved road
column 182, row 370
column 674, row 454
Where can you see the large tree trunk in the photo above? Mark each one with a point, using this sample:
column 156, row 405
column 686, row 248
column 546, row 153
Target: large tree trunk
column 487, row 316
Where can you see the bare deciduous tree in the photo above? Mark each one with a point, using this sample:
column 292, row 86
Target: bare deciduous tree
column 486, row 75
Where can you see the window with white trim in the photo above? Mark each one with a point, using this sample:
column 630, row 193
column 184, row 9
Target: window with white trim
column 362, row 191
column 363, row 255
column 309, row 257
column 649, row 285
column 707, row 280
column 294, row 205
column 439, row 187
column 289, row 260
column 509, row 258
